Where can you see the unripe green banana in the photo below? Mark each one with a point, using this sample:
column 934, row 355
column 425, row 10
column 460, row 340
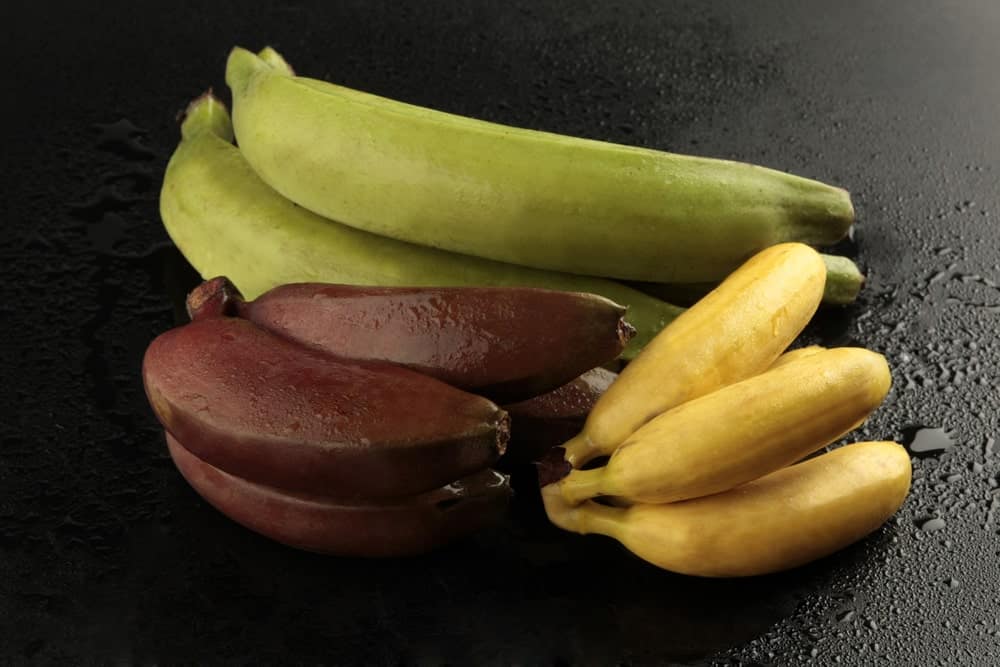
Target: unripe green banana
column 843, row 284
column 741, row 431
column 780, row 521
column 514, row 195
column 226, row 221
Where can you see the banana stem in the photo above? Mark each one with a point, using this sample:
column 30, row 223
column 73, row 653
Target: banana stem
column 274, row 59
column 843, row 280
column 579, row 449
column 240, row 68
column 207, row 114
column 593, row 517
column 579, row 485
column 589, row 517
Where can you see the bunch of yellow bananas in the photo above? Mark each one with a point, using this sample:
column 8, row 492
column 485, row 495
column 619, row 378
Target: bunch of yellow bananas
column 705, row 427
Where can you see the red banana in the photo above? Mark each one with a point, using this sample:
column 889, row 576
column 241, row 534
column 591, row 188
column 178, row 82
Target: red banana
column 504, row 343
column 549, row 420
column 313, row 522
column 269, row 410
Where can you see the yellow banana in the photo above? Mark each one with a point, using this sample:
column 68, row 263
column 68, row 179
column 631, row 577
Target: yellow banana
column 795, row 355
column 735, row 332
column 514, row 195
column 226, row 221
column 740, row 432
column 777, row 522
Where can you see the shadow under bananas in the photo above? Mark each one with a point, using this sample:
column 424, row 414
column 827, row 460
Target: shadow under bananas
column 522, row 592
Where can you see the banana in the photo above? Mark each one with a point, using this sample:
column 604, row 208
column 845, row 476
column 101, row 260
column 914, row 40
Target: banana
column 317, row 523
column 780, row 521
column 505, row 343
column 543, row 422
column 735, row 332
column 514, row 195
column 226, row 221
column 741, row 431
column 276, row 413
column 795, row 355
column 843, row 284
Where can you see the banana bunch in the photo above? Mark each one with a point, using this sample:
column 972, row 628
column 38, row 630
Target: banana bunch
column 355, row 420
column 706, row 432
column 337, row 186
column 401, row 284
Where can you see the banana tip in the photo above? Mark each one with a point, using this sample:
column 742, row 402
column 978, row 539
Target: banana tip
column 207, row 97
column 553, row 467
column 625, row 331
column 217, row 297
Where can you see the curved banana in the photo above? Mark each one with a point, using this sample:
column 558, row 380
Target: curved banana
column 514, row 195
column 843, row 284
column 402, row 527
column 504, row 343
column 735, row 332
column 786, row 519
column 274, row 412
column 226, row 221
column 741, row 431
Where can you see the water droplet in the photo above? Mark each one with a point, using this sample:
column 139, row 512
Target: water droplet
column 845, row 616
column 932, row 525
column 923, row 441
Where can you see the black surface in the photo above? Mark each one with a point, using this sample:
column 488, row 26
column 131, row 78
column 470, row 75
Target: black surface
column 107, row 557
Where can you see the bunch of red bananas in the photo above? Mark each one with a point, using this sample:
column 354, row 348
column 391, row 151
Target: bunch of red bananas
column 366, row 421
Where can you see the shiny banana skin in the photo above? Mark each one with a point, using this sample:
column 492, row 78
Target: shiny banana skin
column 505, row 343
column 401, row 527
column 735, row 332
column 742, row 431
column 548, row 420
column 777, row 522
column 844, row 281
column 274, row 412
column 228, row 222
column 521, row 196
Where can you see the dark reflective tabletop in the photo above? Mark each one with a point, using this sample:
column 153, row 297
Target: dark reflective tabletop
column 108, row 557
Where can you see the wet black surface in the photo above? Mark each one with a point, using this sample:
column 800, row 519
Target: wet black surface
column 107, row 557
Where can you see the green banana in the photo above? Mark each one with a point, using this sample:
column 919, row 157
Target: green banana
column 843, row 283
column 520, row 196
column 226, row 221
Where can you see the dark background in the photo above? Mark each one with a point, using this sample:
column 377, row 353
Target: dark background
column 107, row 557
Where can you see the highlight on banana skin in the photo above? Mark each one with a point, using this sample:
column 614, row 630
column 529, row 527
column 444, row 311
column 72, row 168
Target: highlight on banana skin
column 388, row 330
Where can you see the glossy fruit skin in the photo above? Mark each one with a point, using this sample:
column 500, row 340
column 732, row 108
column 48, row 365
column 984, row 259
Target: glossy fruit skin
column 735, row 332
column 273, row 412
column 844, row 281
column 546, row 421
column 505, row 343
column 228, row 222
column 780, row 521
column 742, row 431
column 312, row 522
column 514, row 195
